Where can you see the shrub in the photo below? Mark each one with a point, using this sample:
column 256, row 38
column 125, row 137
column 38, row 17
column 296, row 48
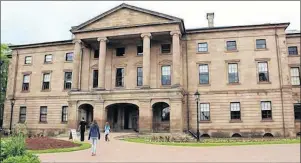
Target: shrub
column 27, row 158
column 20, row 128
column 14, row 146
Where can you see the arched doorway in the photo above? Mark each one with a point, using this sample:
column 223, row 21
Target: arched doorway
column 123, row 116
column 85, row 111
column 161, row 117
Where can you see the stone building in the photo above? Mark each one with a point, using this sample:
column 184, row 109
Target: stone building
column 139, row 69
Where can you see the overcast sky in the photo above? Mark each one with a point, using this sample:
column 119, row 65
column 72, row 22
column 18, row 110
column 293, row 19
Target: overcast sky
column 31, row 22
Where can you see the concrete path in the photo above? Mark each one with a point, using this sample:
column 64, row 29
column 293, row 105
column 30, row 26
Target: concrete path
column 121, row 151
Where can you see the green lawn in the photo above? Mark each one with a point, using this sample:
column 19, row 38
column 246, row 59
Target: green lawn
column 81, row 147
column 219, row 142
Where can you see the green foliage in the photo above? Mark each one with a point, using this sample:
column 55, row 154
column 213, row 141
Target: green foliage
column 27, row 158
column 20, row 129
column 14, row 146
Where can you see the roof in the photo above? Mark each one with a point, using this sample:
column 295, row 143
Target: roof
column 245, row 27
column 42, row 44
column 124, row 5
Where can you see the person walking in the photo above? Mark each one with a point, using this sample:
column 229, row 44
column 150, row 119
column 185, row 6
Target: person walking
column 93, row 135
column 107, row 131
column 82, row 127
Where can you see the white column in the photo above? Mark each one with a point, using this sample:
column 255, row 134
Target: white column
column 76, row 64
column 102, row 62
column 146, row 59
column 176, row 58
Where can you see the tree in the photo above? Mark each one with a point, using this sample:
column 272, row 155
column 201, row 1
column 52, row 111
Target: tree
column 4, row 61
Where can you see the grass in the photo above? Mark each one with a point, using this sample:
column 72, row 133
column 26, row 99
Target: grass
column 210, row 144
column 59, row 150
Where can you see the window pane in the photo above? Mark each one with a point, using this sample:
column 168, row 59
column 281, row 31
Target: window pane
column 293, row 50
column 202, row 47
column 235, row 106
column 297, row 111
column 203, row 68
column 120, row 51
column 231, row 45
column 26, row 79
column 28, row 60
column 232, row 68
column 165, row 48
column 139, row 50
column 96, row 53
column 68, row 76
column 204, row 112
column 119, row 77
column 165, row 77
column 48, row 58
column 69, row 56
column 265, row 105
column 262, row 67
column 46, row 77
column 295, row 76
column 139, row 76
column 261, row 44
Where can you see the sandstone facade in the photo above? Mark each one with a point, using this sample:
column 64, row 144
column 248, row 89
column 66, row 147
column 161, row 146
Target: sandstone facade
column 170, row 76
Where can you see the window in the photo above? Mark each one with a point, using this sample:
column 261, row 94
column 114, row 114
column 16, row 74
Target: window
column 139, row 76
column 95, row 78
column 165, row 78
column 261, row 44
column 203, row 74
column 96, row 53
column 204, row 112
column 64, row 113
column 233, row 73
column 165, row 114
column 69, row 56
column 165, row 48
column 25, row 85
column 119, row 77
column 231, row 45
column 263, row 73
column 297, row 111
column 120, row 52
column 28, row 59
column 266, row 110
column 48, row 58
column 203, row 47
column 295, row 76
column 292, row 50
column 22, row 115
column 235, row 110
column 43, row 114
column 68, row 80
column 46, row 81
column 139, row 50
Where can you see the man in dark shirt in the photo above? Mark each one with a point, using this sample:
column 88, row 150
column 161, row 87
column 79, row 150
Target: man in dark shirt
column 82, row 126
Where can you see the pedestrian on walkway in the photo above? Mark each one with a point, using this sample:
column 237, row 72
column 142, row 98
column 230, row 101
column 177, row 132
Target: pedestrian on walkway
column 94, row 134
column 107, row 131
column 82, row 128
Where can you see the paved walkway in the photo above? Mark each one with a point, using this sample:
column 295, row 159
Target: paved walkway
column 121, row 151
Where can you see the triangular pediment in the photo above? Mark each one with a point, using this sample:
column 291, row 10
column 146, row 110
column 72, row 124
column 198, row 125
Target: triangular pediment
column 124, row 16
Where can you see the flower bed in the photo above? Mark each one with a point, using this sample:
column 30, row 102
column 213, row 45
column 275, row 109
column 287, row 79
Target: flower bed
column 42, row 143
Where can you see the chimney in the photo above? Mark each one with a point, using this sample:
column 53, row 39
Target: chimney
column 210, row 18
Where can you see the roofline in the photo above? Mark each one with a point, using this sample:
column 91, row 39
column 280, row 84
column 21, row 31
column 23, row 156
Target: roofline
column 244, row 27
column 74, row 28
column 130, row 26
column 298, row 34
column 42, row 44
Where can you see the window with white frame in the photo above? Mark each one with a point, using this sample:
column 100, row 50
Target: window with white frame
column 261, row 44
column 231, row 45
column 203, row 74
column 22, row 114
column 203, row 47
column 295, row 76
column 233, row 73
column 204, row 112
column 165, row 75
column 263, row 73
column 235, row 110
column 48, row 58
column 68, row 80
column 46, row 81
column 43, row 114
column 28, row 60
column 266, row 110
column 25, row 84
column 64, row 113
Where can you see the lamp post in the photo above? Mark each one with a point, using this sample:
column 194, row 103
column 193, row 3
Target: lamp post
column 197, row 99
column 12, row 103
